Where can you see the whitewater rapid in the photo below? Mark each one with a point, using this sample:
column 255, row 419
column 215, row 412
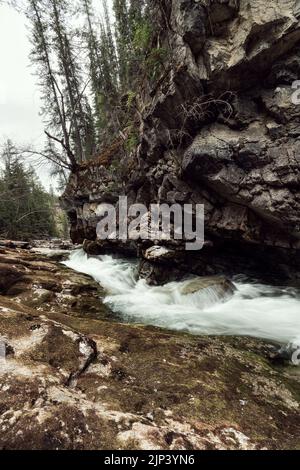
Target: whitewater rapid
column 255, row 309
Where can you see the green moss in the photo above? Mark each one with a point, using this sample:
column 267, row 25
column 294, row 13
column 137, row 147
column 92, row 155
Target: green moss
column 155, row 62
column 142, row 36
column 132, row 140
column 131, row 96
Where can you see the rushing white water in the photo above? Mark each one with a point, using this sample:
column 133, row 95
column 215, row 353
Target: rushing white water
column 254, row 310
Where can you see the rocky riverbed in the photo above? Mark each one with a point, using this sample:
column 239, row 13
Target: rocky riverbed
column 71, row 378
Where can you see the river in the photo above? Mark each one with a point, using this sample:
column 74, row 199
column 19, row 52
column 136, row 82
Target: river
column 256, row 310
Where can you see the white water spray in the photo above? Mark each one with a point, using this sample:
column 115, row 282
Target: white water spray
column 254, row 310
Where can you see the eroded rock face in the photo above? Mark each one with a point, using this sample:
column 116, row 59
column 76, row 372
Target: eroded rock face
column 71, row 380
column 258, row 175
column 218, row 128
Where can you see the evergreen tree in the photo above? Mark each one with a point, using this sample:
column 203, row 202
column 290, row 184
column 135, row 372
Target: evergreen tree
column 26, row 209
column 42, row 59
column 70, row 122
column 122, row 31
column 116, row 51
column 94, row 62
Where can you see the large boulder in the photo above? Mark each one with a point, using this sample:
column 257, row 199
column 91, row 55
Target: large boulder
column 220, row 287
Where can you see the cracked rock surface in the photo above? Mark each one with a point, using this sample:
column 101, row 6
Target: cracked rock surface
column 72, row 379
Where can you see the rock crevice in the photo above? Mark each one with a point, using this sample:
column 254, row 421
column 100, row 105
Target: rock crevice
column 219, row 127
column 71, row 380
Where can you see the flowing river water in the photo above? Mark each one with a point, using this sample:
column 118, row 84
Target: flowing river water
column 256, row 310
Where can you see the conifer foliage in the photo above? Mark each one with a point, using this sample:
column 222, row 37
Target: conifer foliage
column 87, row 64
column 27, row 211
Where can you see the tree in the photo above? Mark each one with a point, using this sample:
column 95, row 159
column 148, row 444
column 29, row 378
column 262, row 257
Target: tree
column 88, row 76
column 66, row 106
column 122, row 31
column 54, row 106
column 26, row 209
column 76, row 104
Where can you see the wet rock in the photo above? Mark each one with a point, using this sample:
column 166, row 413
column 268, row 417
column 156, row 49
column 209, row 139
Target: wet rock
column 286, row 354
column 53, row 254
column 102, row 247
column 40, row 283
column 9, row 275
column 52, row 244
column 222, row 288
column 79, row 383
column 219, row 128
column 159, row 273
column 15, row 244
column 161, row 253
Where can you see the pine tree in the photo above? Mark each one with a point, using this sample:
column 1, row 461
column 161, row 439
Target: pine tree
column 42, row 59
column 78, row 109
column 66, row 105
column 94, row 62
column 114, row 58
column 122, row 29
column 26, row 209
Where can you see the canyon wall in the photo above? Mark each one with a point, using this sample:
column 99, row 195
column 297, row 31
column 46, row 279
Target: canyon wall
column 220, row 126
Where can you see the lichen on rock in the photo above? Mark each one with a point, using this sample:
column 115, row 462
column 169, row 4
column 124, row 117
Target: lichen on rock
column 72, row 380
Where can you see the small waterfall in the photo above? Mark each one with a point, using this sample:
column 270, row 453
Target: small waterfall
column 254, row 309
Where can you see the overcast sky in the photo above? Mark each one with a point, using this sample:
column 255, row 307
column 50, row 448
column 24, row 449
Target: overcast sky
column 19, row 94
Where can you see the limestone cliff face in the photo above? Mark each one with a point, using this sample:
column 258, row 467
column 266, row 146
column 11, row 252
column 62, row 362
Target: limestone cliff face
column 218, row 127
